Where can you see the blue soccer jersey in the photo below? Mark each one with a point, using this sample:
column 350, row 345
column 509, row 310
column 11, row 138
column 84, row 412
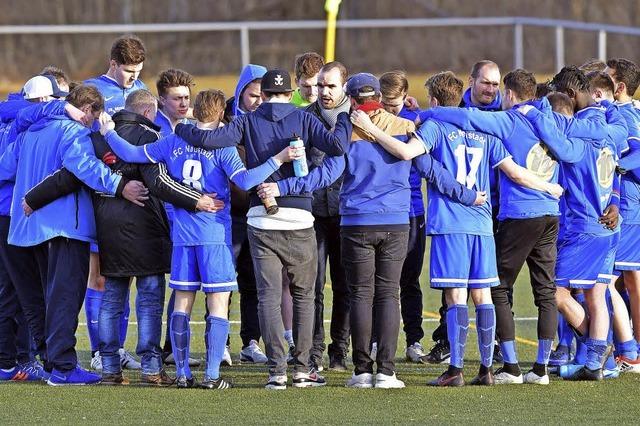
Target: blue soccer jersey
column 206, row 171
column 468, row 155
column 114, row 94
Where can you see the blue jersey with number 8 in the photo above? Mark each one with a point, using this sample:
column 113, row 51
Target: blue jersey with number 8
column 468, row 155
column 205, row 171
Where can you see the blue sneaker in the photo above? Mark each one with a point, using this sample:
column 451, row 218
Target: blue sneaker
column 34, row 370
column 75, row 377
column 11, row 374
column 559, row 357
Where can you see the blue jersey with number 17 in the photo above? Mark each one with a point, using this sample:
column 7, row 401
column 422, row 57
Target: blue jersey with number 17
column 468, row 155
column 206, row 171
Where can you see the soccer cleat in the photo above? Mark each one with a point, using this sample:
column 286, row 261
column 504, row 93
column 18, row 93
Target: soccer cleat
column 17, row 374
column 76, row 377
column 559, row 357
column 384, row 381
column 627, row 365
column 306, row 380
column 96, row 361
column 448, row 379
column 569, row 370
column 252, row 354
column 485, row 379
column 360, row 381
column 337, row 363
column 503, row 378
column 374, row 351
column 439, row 353
column 292, row 348
column 611, row 374
column 183, row 382
column 278, row 382
column 116, row 379
column 169, row 360
column 161, row 379
column 34, row 371
column 532, row 378
column 127, row 361
column 586, row 374
column 415, row 353
column 226, row 357
column 219, row 383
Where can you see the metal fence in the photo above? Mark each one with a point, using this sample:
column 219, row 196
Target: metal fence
column 518, row 24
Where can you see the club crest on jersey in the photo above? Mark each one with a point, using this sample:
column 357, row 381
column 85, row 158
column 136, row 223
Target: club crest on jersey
column 278, row 80
column 540, row 162
column 606, row 166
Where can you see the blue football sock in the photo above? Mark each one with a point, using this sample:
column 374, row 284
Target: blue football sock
column 628, row 349
column 92, row 303
column 565, row 334
column 544, row 351
column 509, row 353
column 610, row 364
column 486, row 327
column 595, row 353
column 180, row 338
column 581, row 351
column 218, row 330
column 124, row 321
column 457, row 328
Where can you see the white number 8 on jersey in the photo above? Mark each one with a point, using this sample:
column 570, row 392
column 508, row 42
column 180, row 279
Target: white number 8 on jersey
column 192, row 173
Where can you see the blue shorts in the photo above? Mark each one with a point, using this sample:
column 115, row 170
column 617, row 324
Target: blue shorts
column 210, row 268
column 93, row 247
column 463, row 261
column 628, row 255
column 584, row 259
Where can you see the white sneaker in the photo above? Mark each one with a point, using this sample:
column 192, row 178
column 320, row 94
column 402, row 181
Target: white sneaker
column 360, row 381
column 169, row 360
column 534, row 379
column 96, row 362
column 226, row 357
column 277, row 382
column 415, row 353
column 127, row 361
column 374, row 351
column 388, row 382
column 503, row 378
column 252, row 354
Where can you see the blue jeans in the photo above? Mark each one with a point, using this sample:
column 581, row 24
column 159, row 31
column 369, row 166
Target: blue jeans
column 149, row 308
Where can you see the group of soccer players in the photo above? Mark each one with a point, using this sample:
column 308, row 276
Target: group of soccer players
column 102, row 181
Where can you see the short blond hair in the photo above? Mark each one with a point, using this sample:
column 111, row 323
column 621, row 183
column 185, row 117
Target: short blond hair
column 208, row 105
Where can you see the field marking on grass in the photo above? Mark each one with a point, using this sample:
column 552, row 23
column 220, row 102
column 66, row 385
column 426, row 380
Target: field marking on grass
column 435, row 315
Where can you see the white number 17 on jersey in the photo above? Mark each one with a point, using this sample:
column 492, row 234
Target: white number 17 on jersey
column 464, row 176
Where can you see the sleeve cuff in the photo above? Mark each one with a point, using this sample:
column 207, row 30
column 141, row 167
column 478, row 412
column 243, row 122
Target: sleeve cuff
column 121, row 186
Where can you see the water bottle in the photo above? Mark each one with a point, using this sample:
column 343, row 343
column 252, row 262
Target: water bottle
column 300, row 167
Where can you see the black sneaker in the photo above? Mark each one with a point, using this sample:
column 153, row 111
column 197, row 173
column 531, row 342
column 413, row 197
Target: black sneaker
column 497, row 355
column 440, row 353
column 219, row 383
column 183, row 383
column 290, row 358
column 337, row 363
column 310, row 379
column 116, row 379
column 483, row 379
column 448, row 379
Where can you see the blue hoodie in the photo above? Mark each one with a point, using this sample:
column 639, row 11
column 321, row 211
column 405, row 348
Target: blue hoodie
column 267, row 131
column 249, row 73
column 52, row 143
column 114, row 95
